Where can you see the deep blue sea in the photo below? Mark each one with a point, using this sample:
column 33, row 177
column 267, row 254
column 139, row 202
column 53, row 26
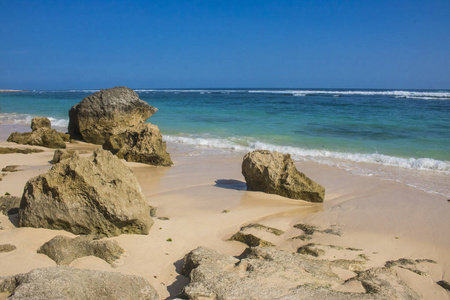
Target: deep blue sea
column 405, row 129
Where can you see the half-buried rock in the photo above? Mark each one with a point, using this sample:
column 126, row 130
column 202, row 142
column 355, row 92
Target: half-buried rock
column 92, row 195
column 68, row 283
column 106, row 113
column 275, row 173
column 142, row 143
column 63, row 250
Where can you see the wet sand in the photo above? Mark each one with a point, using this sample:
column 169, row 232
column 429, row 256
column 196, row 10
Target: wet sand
column 202, row 201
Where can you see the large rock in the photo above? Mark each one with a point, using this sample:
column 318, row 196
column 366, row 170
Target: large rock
column 107, row 112
column 92, row 195
column 142, row 143
column 269, row 273
column 38, row 122
column 43, row 136
column 63, row 250
column 275, row 173
column 68, row 283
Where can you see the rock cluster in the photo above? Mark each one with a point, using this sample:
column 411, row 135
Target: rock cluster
column 86, row 195
column 115, row 119
column 42, row 135
column 63, row 250
column 142, row 143
column 107, row 112
column 68, row 283
column 275, row 173
column 269, row 273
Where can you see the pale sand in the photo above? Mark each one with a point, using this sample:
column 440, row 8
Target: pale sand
column 387, row 220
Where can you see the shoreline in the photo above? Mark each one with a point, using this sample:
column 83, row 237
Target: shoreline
column 386, row 219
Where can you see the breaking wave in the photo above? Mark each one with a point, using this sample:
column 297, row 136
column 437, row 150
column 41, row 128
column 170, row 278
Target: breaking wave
column 242, row 145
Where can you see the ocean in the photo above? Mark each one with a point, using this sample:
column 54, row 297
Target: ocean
column 401, row 135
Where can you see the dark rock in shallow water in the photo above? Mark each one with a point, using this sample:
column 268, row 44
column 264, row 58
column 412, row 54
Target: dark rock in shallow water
column 38, row 122
column 9, row 205
column 68, row 283
column 142, row 143
column 91, row 195
column 106, row 113
column 275, row 173
column 63, row 250
column 269, row 273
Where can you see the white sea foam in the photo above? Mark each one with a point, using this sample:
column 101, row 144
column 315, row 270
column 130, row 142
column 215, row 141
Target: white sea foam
column 323, row 156
column 440, row 95
column 25, row 119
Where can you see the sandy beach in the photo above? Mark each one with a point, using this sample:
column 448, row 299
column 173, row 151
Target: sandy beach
column 202, row 201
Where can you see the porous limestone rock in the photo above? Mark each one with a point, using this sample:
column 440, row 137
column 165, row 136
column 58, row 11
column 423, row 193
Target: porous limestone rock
column 62, row 154
column 43, row 136
column 63, row 250
column 86, row 195
column 142, row 143
column 61, row 282
column 9, row 204
column 269, row 273
column 38, row 122
column 107, row 112
column 275, row 173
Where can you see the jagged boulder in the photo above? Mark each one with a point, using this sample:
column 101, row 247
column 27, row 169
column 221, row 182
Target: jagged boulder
column 107, row 112
column 86, row 195
column 61, row 155
column 43, row 136
column 275, row 173
column 38, row 122
column 63, row 250
column 142, row 143
column 68, row 283
column 269, row 273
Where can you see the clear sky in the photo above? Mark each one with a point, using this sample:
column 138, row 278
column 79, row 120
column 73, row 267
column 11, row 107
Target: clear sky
column 207, row 44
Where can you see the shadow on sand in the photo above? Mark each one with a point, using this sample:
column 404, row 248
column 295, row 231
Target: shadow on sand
column 231, row 184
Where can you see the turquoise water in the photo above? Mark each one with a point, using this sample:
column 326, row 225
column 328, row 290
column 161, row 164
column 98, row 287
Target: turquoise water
column 403, row 128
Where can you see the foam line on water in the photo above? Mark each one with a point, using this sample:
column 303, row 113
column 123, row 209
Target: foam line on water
column 236, row 144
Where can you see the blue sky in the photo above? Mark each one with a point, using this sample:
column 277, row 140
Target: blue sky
column 193, row 44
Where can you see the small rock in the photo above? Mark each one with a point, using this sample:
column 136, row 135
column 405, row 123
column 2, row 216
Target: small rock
column 250, row 240
column 444, row 284
column 7, row 248
column 43, row 136
column 142, row 143
column 8, row 150
column 61, row 154
column 12, row 168
column 38, row 122
column 9, row 205
column 275, row 173
column 63, row 250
